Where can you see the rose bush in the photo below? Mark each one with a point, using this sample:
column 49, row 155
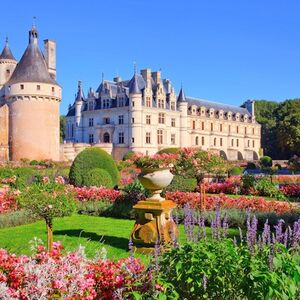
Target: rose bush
column 291, row 190
column 242, row 202
column 8, row 201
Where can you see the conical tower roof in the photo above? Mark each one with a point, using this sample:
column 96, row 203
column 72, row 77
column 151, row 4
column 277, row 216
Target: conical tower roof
column 134, row 85
column 32, row 66
column 181, row 96
column 79, row 96
column 6, row 52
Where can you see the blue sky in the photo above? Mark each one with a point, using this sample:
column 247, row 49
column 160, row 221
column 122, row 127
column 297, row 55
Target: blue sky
column 225, row 51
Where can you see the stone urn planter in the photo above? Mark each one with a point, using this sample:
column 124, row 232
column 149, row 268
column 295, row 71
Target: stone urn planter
column 155, row 179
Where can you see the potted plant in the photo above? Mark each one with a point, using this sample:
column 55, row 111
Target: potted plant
column 155, row 172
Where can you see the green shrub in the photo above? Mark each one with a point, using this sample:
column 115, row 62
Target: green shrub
column 90, row 159
column 136, row 191
column 16, row 218
column 171, row 150
column 128, row 155
column 236, row 171
column 266, row 161
column 251, row 166
column 182, row 184
column 34, row 163
column 266, row 188
column 218, row 269
column 6, row 172
column 98, row 177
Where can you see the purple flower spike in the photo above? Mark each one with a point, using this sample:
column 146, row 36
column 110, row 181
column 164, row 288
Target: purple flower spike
column 279, row 235
column 266, row 235
column 204, row 282
column 130, row 247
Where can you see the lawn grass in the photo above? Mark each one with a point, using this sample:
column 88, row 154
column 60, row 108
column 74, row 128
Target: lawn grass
column 91, row 232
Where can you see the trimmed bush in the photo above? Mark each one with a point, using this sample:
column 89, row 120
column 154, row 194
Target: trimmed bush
column 98, row 177
column 266, row 161
column 251, row 166
column 90, row 159
column 236, row 171
column 171, row 150
column 182, row 184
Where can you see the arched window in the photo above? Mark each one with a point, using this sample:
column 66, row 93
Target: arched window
column 232, row 141
column 203, row 141
column 248, row 143
column 194, row 124
column 197, row 140
column 106, row 137
column 215, row 141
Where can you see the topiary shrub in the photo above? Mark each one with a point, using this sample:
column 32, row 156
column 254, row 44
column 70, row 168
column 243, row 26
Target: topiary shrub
column 171, row 150
column 266, row 161
column 90, row 159
column 98, row 177
column 34, row 163
column 236, row 171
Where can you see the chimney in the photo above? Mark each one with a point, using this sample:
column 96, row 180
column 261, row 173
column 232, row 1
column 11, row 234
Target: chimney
column 156, row 76
column 117, row 79
column 50, row 57
column 146, row 73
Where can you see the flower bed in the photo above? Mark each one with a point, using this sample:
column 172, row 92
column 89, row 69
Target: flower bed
column 84, row 194
column 242, row 202
column 51, row 276
column 8, row 201
column 291, row 190
column 231, row 185
column 286, row 179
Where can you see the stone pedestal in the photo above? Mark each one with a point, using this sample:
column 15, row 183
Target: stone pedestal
column 153, row 223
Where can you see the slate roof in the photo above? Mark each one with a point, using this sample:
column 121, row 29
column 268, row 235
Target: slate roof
column 217, row 106
column 181, row 96
column 6, row 52
column 32, row 67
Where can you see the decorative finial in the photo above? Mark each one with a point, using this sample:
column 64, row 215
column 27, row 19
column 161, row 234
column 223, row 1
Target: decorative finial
column 6, row 40
column 79, row 84
column 102, row 77
column 181, row 85
column 33, row 21
column 134, row 67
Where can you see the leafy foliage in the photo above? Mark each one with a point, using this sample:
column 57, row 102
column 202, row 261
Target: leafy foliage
column 180, row 183
column 89, row 159
column 98, row 177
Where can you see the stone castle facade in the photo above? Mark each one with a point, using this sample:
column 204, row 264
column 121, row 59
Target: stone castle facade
column 29, row 102
column 144, row 114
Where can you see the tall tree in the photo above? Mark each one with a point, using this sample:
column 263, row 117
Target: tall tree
column 62, row 124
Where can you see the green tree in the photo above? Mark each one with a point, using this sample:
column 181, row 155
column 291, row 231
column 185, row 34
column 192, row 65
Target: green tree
column 288, row 128
column 62, row 125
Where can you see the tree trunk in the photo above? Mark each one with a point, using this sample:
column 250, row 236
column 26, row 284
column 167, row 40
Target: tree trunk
column 49, row 237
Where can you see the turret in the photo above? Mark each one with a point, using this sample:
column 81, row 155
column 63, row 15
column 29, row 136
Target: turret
column 183, row 108
column 7, row 64
column 79, row 102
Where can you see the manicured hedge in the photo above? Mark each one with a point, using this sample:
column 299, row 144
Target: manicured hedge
column 90, row 159
column 98, row 177
column 172, row 150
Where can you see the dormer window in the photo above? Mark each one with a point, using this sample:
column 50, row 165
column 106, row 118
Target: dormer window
column 91, row 105
column 172, row 105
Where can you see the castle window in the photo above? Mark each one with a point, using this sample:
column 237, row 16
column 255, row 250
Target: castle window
column 121, row 102
column 38, row 87
column 253, row 132
column 172, row 105
column 148, row 102
column 161, row 118
column 7, row 72
column 53, row 89
column 253, row 143
column 211, row 126
column 248, row 143
column 161, row 103
column 22, row 86
column 197, row 141
column 215, row 141
column 194, row 124
column 91, row 122
column 237, row 129
column 202, row 125
column 237, row 142
column 132, row 139
column 106, row 103
column 232, row 142
column 121, row 137
column 148, row 137
column 121, row 119
column 173, row 122
column 106, row 120
column 245, row 130
column 148, row 119
column 132, row 103
column 91, row 138
column 203, row 140
column 221, row 142
column 221, row 127
column 173, row 140
column 91, row 105
column 132, row 120
column 159, row 136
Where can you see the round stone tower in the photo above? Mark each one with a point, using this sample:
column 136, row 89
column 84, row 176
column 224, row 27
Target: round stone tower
column 33, row 97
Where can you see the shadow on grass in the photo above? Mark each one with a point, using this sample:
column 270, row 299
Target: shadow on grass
column 114, row 241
